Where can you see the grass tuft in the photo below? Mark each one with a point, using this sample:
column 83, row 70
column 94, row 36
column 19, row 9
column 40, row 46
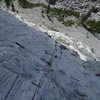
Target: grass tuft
column 26, row 4
column 93, row 25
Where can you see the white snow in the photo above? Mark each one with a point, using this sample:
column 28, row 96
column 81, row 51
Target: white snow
column 80, row 54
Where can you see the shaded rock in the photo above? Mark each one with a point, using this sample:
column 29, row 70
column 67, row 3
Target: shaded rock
column 92, row 67
column 53, row 2
column 74, row 53
column 62, row 47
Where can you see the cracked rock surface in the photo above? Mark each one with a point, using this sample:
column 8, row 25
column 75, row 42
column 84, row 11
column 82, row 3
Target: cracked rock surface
column 77, row 5
column 34, row 66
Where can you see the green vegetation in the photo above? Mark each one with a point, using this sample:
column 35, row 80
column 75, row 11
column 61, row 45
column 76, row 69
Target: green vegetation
column 13, row 8
column 84, row 17
column 53, row 11
column 8, row 3
column 48, row 9
column 90, row 24
column 60, row 14
column 68, row 23
column 93, row 25
column 26, row 4
column 42, row 11
column 92, row 50
column 64, row 13
column 87, row 36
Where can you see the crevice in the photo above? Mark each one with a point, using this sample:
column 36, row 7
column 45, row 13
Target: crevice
column 10, row 88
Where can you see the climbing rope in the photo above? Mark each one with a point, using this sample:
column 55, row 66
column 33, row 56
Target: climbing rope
column 43, row 74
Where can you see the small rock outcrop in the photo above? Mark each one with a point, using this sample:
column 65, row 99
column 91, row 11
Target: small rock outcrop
column 92, row 67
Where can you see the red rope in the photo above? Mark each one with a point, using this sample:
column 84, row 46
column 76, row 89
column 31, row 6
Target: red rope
column 42, row 77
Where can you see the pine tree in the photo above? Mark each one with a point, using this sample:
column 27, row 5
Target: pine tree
column 48, row 8
column 13, row 8
column 7, row 3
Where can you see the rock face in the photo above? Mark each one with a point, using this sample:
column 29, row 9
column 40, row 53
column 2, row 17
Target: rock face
column 92, row 67
column 51, row 1
column 81, row 6
column 33, row 66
